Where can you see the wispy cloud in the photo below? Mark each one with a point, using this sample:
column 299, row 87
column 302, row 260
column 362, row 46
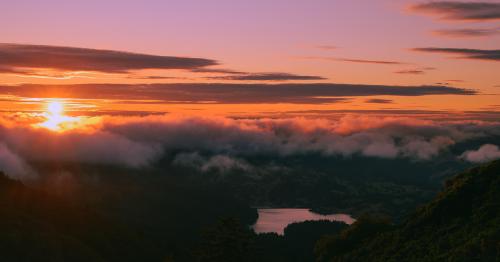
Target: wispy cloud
column 267, row 77
column 479, row 54
column 411, row 72
column 363, row 61
column 84, row 59
column 23, row 72
column 10, row 70
column 353, row 60
column 461, row 11
column 379, row 101
column 216, row 70
column 467, row 32
column 234, row 75
column 415, row 71
column 327, row 47
column 154, row 77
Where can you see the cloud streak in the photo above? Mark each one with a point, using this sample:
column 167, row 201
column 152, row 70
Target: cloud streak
column 411, row 72
column 459, row 11
column 86, row 59
column 466, row 32
column 357, row 61
column 363, row 61
column 226, row 93
column 379, row 101
column 327, row 47
column 217, row 70
column 463, row 53
column 267, row 77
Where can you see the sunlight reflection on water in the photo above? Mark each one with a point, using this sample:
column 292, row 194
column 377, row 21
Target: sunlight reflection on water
column 276, row 219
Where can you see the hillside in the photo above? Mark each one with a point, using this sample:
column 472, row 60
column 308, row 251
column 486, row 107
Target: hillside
column 461, row 224
column 115, row 223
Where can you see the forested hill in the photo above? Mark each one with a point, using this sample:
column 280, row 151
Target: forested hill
column 461, row 224
column 156, row 222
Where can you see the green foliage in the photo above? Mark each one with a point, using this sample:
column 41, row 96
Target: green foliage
column 300, row 238
column 122, row 215
column 123, row 219
column 354, row 185
column 461, row 224
column 349, row 239
column 227, row 241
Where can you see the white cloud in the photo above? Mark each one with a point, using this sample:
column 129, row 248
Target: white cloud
column 485, row 153
column 14, row 166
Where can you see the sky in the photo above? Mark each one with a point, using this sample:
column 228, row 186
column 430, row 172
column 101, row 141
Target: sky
column 265, row 43
column 378, row 78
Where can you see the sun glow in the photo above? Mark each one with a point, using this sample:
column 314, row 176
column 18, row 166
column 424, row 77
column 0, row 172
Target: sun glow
column 56, row 120
column 55, row 108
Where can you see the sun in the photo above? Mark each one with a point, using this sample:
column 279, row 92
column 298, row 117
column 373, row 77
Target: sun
column 55, row 108
column 55, row 118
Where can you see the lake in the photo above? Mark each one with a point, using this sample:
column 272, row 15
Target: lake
column 276, row 219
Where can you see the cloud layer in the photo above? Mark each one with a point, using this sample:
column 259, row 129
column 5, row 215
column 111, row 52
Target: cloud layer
column 222, row 144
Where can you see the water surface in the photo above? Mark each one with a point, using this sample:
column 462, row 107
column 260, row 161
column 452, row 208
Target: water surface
column 276, row 219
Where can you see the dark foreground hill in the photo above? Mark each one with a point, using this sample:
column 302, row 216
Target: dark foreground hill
column 124, row 217
column 153, row 223
column 461, row 224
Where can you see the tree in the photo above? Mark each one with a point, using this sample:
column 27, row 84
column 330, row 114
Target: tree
column 228, row 240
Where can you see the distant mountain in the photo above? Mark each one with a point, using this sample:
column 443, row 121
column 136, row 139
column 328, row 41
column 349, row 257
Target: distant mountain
column 461, row 224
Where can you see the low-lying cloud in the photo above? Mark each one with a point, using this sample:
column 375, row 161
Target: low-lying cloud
column 96, row 147
column 14, row 166
column 484, row 154
column 222, row 144
column 217, row 163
